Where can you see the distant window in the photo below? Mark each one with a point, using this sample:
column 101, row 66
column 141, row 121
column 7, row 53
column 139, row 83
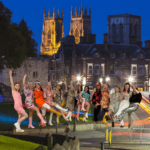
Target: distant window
column 79, row 68
column 112, row 55
column 112, row 70
column 133, row 70
column 97, row 69
column 35, row 74
column 123, row 55
column 140, row 70
column 90, row 69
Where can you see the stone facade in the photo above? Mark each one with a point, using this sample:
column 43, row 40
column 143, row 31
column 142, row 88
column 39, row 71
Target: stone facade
column 52, row 33
column 36, row 68
column 124, row 29
column 95, row 61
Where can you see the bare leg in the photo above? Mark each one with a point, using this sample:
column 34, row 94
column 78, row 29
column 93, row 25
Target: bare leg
column 30, row 118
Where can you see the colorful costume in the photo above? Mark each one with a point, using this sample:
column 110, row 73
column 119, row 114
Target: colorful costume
column 105, row 99
column 58, row 98
column 96, row 99
column 70, row 99
column 29, row 101
column 114, row 102
column 85, row 95
column 39, row 99
column 49, row 96
column 18, row 102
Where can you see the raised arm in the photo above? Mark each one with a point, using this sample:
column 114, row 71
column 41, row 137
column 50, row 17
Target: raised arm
column 11, row 80
column 24, row 78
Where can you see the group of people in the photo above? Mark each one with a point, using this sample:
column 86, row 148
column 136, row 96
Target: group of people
column 115, row 105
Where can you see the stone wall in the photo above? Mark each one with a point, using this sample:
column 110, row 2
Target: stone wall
column 71, row 145
column 39, row 65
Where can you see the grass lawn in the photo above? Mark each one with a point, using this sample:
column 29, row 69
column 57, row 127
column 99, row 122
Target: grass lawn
column 8, row 143
column 8, row 116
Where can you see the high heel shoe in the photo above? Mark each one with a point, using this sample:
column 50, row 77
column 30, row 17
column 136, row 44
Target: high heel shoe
column 31, row 126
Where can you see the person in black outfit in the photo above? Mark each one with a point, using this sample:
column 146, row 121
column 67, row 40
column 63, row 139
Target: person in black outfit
column 134, row 104
column 95, row 99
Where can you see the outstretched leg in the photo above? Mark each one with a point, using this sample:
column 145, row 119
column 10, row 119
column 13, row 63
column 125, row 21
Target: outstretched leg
column 132, row 107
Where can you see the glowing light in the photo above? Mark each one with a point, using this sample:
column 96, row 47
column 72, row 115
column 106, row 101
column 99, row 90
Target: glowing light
column 101, row 80
column 130, row 79
column 78, row 78
column 107, row 79
column 84, row 82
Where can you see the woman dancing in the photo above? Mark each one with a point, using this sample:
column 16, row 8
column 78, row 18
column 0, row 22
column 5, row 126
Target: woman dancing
column 135, row 100
column 114, row 104
column 86, row 95
column 125, row 96
column 22, row 115
column 39, row 99
column 95, row 100
column 49, row 95
column 78, row 98
column 70, row 100
column 29, row 102
column 105, row 102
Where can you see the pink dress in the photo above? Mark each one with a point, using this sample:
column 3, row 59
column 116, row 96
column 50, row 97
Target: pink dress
column 29, row 102
column 49, row 97
column 18, row 102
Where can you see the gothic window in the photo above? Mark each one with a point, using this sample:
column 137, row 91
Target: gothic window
column 85, row 32
column 76, row 33
column 135, row 30
column 49, row 34
column 57, row 36
column 121, row 33
column 114, row 32
column 48, row 38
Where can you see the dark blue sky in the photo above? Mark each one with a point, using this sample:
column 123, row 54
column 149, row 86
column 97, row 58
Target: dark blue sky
column 32, row 10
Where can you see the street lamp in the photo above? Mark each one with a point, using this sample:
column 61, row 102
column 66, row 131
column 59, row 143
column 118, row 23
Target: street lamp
column 101, row 80
column 107, row 79
column 78, row 78
column 130, row 79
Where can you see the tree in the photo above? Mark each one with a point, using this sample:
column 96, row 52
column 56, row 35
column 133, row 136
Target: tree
column 31, row 44
column 16, row 43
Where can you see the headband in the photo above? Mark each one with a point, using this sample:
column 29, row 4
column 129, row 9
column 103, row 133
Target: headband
column 29, row 83
column 37, row 82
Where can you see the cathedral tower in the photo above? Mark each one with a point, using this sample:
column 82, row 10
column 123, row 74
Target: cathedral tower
column 80, row 24
column 124, row 29
column 52, row 33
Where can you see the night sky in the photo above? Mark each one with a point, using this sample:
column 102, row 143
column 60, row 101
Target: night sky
column 32, row 11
